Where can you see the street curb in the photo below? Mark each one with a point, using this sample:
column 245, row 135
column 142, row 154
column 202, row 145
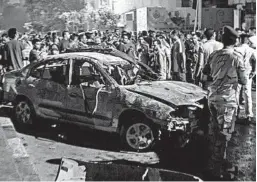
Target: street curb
column 23, row 164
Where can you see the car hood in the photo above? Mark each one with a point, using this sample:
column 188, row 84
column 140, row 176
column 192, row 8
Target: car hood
column 171, row 92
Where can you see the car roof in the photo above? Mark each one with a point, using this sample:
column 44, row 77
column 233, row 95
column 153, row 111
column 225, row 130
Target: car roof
column 105, row 59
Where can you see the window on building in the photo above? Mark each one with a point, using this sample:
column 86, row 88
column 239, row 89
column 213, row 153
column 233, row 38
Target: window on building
column 187, row 3
column 129, row 17
column 250, row 8
column 103, row 2
column 222, row 3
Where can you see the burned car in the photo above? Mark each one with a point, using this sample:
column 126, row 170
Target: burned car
column 104, row 92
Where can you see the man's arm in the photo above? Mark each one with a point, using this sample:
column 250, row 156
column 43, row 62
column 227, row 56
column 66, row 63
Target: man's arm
column 241, row 72
column 168, row 55
column 200, row 62
column 207, row 68
column 253, row 64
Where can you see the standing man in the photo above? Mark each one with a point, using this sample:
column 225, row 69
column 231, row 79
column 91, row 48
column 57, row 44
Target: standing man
column 3, row 58
column 191, row 46
column 152, row 37
column 35, row 54
column 65, row 42
column 165, row 47
column 226, row 69
column 143, row 50
column 252, row 31
column 252, row 38
column 130, row 49
column 159, row 60
column 28, row 46
column 74, row 42
column 249, row 55
column 178, row 58
column 146, row 37
column 208, row 48
column 14, row 50
column 90, row 38
column 117, row 33
column 119, row 46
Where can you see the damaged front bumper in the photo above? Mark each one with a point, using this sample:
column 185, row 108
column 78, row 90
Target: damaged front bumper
column 178, row 131
column 178, row 124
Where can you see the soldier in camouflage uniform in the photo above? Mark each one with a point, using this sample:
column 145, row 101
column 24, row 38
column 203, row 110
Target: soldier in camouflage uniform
column 227, row 71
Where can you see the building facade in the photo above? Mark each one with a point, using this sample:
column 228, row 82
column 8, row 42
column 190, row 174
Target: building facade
column 96, row 4
column 247, row 11
column 172, row 13
column 122, row 6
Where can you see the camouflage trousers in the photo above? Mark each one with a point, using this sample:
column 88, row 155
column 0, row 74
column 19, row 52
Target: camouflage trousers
column 221, row 127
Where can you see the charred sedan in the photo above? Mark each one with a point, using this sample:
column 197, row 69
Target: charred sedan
column 104, row 92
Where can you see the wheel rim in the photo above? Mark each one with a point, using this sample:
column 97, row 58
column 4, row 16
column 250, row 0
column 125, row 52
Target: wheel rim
column 139, row 136
column 23, row 112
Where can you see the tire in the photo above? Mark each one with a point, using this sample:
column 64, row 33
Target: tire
column 24, row 114
column 138, row 135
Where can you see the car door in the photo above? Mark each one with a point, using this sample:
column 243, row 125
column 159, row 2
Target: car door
column 48, row 83
column 90, row 95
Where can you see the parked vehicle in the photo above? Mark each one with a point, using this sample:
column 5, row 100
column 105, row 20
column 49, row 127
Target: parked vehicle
column 105, row 91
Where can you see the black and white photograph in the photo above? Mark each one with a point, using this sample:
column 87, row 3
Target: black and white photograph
column 128, row 90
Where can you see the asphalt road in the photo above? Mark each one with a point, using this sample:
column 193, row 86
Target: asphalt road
column 47, row 145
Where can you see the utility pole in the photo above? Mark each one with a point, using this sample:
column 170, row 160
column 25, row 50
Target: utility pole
column 196, row 15
column 200, row 6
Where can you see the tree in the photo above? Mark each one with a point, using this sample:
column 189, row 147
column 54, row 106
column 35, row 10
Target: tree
column 69, row 14
column 49, row 12
column 51, row 8
column 106, row 19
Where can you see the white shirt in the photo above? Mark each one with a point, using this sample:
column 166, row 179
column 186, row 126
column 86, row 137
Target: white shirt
column 247, row 52
column 209, row 47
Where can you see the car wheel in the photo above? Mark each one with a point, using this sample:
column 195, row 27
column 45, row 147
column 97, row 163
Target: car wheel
column 24, row 113
column 138, row 136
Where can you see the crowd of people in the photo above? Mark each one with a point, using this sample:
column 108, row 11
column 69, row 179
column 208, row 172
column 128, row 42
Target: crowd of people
column 221, row 62
column 173, row 55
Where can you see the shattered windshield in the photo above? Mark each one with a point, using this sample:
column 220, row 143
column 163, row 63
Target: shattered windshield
column 124, row 72
column 127, row 74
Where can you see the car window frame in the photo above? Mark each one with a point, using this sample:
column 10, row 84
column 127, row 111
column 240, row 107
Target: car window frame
column 53, row 60
column 34, row 67
column 97, row 67
column 45, row 63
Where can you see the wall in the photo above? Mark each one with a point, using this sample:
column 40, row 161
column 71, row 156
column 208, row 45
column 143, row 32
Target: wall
column 142, row 21
column 183, row 18
column 122, row 6
column 248, row 11
column 217, row 17
column 130, row 25
column 96, row 4
column 158, row 19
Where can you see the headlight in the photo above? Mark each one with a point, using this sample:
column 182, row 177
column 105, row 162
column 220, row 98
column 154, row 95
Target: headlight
column 171, row 126
column 192, row 112
column 192, row 108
